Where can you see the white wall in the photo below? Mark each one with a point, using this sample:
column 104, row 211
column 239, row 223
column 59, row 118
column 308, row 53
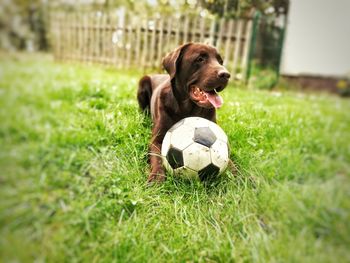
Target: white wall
column 317, row 40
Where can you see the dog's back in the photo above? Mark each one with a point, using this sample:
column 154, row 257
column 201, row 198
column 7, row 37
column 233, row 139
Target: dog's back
column 147, row 86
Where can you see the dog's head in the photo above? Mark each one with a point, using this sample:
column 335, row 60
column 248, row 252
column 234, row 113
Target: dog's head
column 196, row 71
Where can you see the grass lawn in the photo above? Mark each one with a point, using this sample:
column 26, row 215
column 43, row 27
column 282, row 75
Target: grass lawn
column 73, row 166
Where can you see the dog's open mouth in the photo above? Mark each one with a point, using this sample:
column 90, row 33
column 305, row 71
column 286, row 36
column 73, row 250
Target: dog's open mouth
column 207, row 99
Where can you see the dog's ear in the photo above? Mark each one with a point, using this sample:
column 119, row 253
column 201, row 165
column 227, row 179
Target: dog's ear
column 170, row 61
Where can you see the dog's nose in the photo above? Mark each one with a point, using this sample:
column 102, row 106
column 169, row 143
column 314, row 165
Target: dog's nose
column 223, row 74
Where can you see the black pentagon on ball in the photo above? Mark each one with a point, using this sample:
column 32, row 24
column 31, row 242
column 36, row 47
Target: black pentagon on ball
column 204, row 136
column 175, row 158
column 176, row 125
column 208, row 172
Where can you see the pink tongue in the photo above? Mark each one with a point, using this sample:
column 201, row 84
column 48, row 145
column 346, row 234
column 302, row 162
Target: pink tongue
column 215, row 99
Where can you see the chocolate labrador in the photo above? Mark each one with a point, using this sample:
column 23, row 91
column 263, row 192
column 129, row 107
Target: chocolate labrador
column 195, row 77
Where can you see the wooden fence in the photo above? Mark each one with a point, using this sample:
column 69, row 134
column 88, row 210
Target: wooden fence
column 127, row 41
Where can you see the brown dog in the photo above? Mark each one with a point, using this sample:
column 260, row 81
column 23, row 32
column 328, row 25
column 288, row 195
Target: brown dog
column 196, row 74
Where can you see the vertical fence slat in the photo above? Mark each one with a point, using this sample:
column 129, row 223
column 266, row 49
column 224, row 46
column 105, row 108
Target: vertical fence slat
column 160, row 42
column 85, row 37
column 108, row 39
column 64, row 46
column 104, row 41
column 177, row 34
column 202, row 29
column 55, row 35
column 79, row 37
column 69, row 36
column 90, row 37
column 97, row 36
column 52, row 33
column 168, row 33
column 249, row 27
column 66, row 42
column 121, row 38
column 62, row 36
column 185, row 35
column 220, row 34
column 194, row 30
column 228, row 41
column 212, row 32
column 138, row 43
column 152, row 48
column 129, row 41
column 76, row 36
column 114, row 23
column 237, row 48
column 100, row 40
column 145, row 42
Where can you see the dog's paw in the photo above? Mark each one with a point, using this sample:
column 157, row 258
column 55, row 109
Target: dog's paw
column 232, row 167
column 155, row 178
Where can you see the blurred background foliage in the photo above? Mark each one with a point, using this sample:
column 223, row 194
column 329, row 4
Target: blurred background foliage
column 23, row 24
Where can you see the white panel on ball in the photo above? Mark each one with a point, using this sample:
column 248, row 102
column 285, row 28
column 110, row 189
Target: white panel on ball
column 196, row 122
column 167, row 165
column 219, row 154
column 182, row 137
column 166, row 143
column 196, row 156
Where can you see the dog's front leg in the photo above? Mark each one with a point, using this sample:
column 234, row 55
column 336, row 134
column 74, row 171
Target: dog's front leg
column 157, row 173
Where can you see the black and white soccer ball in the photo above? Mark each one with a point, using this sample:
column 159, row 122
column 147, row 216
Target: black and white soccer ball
column 195, row 147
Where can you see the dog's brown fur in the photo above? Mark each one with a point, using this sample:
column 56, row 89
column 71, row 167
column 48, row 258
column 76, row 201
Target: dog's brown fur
column 170, row 98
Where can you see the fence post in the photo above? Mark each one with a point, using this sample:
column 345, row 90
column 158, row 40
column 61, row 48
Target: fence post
column 138, row 40
column 168, row 32
column 252, row 44
column 153, row 41
column 114, row 30
column 160, row 41
column 228, row 41
column 105, row 42
column 121, row 37
column 185, row 39
column 177, row 34
column 62, row 37
column 280, row 49
column 202, row 29
column 85, row 37
column 128, row 34
column 219, row 37
column 97, row 36
column 246, row 48
column 90, row 50
column 145, row 41
column 212, row 32
column 237, row 48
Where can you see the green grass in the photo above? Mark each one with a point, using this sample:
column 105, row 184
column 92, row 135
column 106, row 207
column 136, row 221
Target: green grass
column 73, row 164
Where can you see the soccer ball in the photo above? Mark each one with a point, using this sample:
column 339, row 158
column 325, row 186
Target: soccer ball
column 195, row 147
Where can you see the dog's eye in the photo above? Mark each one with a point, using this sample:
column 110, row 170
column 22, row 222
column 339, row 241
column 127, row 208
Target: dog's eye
column 200, row 59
